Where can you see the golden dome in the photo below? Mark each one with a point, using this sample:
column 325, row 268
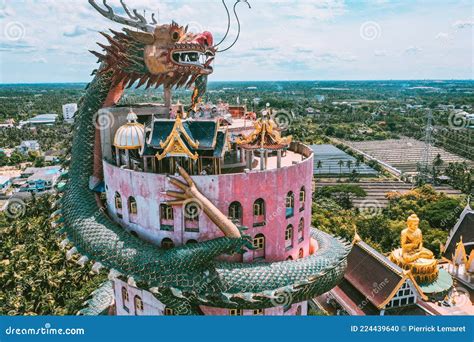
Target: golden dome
column 131, row 135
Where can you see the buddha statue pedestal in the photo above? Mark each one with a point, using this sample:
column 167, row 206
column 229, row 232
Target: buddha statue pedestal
column 413, row 256
column 423, row 270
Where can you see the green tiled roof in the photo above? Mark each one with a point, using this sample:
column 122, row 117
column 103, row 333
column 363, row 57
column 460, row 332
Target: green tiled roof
column 199, row 131
column 220, row 144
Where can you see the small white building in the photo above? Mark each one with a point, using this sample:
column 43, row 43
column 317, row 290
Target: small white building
column 41, row 119
column 29, row 146
column 69, row 110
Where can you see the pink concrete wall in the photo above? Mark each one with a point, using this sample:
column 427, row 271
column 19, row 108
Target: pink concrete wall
column 153, row 307
column 271, row 185
column 276, row 311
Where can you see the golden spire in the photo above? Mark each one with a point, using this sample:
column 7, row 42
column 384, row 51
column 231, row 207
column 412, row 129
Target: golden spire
column 265, row 135
column 174, row 145
column 459, row 257
column 470, row 263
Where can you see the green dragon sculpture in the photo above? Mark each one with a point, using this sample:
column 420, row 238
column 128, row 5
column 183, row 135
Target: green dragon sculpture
column 184, row 277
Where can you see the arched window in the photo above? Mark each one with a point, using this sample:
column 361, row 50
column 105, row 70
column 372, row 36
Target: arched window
column 289, row 258
column 124, row 294
column 301, row 253
column 235, row 212
column 301, row 230
column 298, row 311
column 302, row 198
column 259, row 244
column 132, row 206
column 235, row 312
column 191, row 241
column 166, row 217
column 289, row 237
column 259, row 241
column 290, row 204
column 138, row 303
column 118, row 201
column 258, row 312
column 191, row 217
column 167, row 243
column 259, row 213
column 169, row 312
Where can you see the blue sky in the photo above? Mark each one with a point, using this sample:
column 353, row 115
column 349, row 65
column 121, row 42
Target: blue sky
column 48, row 40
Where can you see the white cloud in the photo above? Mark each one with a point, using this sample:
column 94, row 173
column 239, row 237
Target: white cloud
column 280, row 39
column 461, row 24
column 40, row 60
column 442, row 36
column 413, row 50
column 74, row 31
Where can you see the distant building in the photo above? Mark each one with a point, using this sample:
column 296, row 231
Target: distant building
column 69, row 109
column 237, row 111
column 320, row 98
column 42, row 119
column 40, row 178
column 5, row 184
column 9, row 123
column 29, row 146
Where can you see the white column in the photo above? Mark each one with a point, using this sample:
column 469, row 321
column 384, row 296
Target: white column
column 117, row 156
column 127, row 157
column 279, row 159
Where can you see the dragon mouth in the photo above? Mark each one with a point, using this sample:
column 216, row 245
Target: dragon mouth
column 193, row 59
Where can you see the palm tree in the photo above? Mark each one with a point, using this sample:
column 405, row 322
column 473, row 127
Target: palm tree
column 357, row 163
column 349, row 164
column 341, row 164
column 319, row 165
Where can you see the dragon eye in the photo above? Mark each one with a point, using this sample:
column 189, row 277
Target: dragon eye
column 175, row 35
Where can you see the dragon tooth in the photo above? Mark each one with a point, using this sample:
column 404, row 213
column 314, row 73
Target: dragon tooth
column 70, row 253
column 96, row 267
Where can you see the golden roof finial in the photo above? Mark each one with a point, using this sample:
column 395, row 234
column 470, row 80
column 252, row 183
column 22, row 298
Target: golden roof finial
column 356, row 238
column 459, row 257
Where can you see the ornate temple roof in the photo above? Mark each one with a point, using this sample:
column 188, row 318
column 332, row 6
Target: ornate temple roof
column 370, row 278
column 131, row 135
column 265, row 136
column 188, row 138
column 463, row 229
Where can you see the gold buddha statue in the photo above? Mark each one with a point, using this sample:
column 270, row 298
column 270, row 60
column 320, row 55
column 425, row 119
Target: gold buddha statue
column 413, row 256
column 412, row 241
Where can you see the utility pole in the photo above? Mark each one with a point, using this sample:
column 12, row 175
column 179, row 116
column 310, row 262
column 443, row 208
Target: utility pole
column 425, row 168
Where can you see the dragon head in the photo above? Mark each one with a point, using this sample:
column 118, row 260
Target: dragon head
column 154, row 54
